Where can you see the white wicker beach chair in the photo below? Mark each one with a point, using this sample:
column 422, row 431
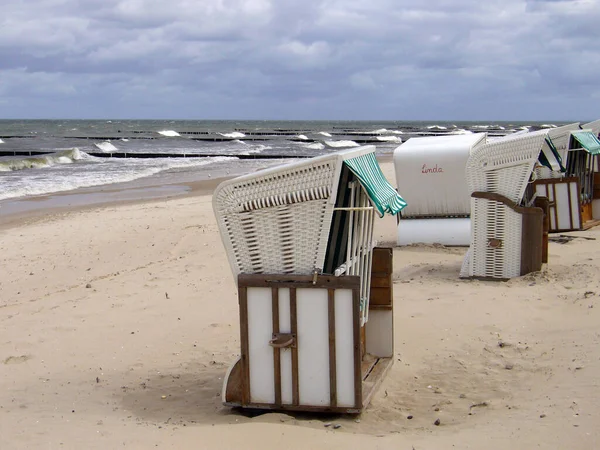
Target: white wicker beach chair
column 309, row 217
column 497, row 174
column 593, row 126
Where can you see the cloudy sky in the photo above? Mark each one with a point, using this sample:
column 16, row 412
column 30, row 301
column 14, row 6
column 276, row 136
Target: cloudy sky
column 301, row 59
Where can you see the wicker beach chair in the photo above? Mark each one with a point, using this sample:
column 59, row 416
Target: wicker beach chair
column 497, row 174
column 594, row 127
column 309, row 217
column 299, row 239
column 430, row 173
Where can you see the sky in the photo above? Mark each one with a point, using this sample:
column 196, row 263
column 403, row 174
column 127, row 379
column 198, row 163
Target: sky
column 301, row 59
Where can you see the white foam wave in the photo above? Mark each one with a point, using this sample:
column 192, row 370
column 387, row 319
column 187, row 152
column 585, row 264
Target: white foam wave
column 106, row 147
column 460, row 131
column 234, row 134
column 1, row 141
column 314, row 146
column 256, row 149
column 302, row 136
column 169, row 133
column 548, row 125
column 125, row 139
column 41, row 161
column 395, row 139
column 325, row 133
column 338, row 144
column 109, row 171
column 436, row 127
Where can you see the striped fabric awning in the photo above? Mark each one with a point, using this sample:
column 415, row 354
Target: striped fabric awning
column 550, row 157
column 383, row 196
column 588, row 141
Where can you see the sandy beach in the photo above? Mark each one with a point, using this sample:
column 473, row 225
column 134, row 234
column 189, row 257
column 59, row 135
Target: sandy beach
column 119, row 322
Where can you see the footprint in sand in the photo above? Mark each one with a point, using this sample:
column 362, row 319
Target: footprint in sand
column 17, row 359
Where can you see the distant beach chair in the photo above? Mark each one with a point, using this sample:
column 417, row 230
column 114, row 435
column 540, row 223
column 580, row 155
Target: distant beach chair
column 574, row 188
column 506, row 234
column 299, row 239
column 594, row 127
column 430, row 173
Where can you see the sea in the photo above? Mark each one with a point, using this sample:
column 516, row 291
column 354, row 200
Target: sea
column 94, row 161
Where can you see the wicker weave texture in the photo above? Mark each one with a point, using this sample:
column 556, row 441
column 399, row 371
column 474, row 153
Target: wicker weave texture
column 504, row 166
column 278, row 221
column 496, row 240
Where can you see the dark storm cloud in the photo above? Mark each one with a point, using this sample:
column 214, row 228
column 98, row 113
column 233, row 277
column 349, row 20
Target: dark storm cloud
column 408, row 59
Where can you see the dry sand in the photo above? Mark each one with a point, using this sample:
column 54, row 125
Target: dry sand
column 119, row 322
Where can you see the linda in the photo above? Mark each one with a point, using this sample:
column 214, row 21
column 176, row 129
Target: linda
column 435, row 169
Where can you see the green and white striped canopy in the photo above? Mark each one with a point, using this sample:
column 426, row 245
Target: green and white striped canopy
column 588, row 141
column 383, row 196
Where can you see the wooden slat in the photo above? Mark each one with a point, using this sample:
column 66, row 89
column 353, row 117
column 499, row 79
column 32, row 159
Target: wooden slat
column 243, row 299
column 380, row 281
column 294, row 330
column 543, row 203
column 276, row 351
column 570, row 206
column 531, row 239
column 381, row 277
column 291, row 281
column 555, row 205
column 375, row 377
column 332, row 355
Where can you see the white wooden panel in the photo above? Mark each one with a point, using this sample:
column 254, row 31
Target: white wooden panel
column 596, row 209
column 575, row 208
column 344, row 347
column 380, row 334
column 562, row 206
column 313, row 346
column 544, row 190
column 285, row 359
column 260, row 353
column 455, row 231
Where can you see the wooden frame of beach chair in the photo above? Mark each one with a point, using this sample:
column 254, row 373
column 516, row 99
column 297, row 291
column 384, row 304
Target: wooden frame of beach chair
column 299, row 238
column 506, row 237
column 574, row 193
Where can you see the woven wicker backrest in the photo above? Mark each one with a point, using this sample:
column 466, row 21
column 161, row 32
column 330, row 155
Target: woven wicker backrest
column 278, row 220
column 504, row 166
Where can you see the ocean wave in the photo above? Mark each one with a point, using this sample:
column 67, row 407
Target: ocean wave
column 339, row 144
column 395, row 139
column 41, row 161
column 436, row 127
column 460, row 131
column 255, row 149
column 302, row 136
column 106, row 147
column 548, row 125
column 386, row 131
column 234, row 134
column 1, row 141
column 313, row 145
column 108, row 171
column 169, row 133
column 325, row 133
